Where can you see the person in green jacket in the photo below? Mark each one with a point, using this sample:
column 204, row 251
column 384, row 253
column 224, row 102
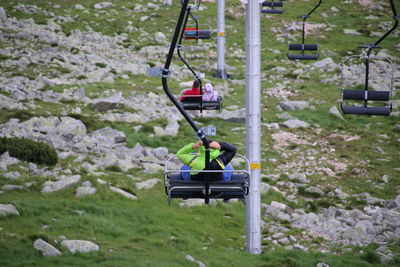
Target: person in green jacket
column 193, row 157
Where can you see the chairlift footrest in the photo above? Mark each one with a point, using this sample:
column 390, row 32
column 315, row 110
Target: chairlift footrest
column 272, row 4
column 378, row 111
column 272, row 11
column 303, row 57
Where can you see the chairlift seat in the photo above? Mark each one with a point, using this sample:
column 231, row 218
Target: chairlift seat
column 360, row 110
column 303, row 56
column 195, row 103
column 272, row 11
column 237, row 187
column 272, row 3
column 303, row 47
column 366, row 95
column 193, row 33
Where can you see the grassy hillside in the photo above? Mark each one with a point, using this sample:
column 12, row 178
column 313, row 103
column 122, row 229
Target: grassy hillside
column 149, row 232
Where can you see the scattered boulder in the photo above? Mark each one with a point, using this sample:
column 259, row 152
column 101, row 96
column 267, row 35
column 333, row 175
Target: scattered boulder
column 294, row 105
column 47, row 249
column 107, row 137
column 109, row 103
column 3, row 15
column 147, row 184
column 334, row 110
column 264, row 188
column 123, row 192
column 351, row 32
column 238, row 115
column 81, row 246
column 85, row 189
column 327, row 64
column 296, row 123
column 199, row 263
column 160, row 38
column 315, row 191
column 103, row 5
column 12, row 175
column 6, row 209
column 193, row 202
column 62, row 183
column 6, row 160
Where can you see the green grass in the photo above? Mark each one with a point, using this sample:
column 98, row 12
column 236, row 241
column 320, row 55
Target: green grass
column 148, row 232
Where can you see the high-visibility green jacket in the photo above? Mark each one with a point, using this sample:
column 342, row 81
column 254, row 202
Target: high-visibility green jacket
column 195, row 161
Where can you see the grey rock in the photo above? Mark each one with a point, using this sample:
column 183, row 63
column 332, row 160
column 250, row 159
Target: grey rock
column 308, row 221
column 109, row 103
column 294, row 105
column 233, row 115
column 107, row 137
column 191, row 259
column 340, row 194
column 6, row 159
column 385, row 178
column 397, row 201
column 160, row 38
column 334, row 110
column 327, row 64
column 12, row 175
column 379, row 150
column 295, row 123
column 62, row 183
column 314, row 190
column 11, row 187
column 284, row 241
column 82, row 246
column 160, row 152
column 285, row 116
column 47, row 249
column 321, row 264
column 3, row 15
column 192, row 202
column 85, row 190
column 103, row 5
column 79, row 7
column 152, row 167
column 301, row 177
column 147, row 184
column 351, row 32
column 264, row 188
column 6, row 209
column 123, row 192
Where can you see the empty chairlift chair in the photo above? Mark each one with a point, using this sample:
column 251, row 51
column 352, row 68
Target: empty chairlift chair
column 366, row 96
column 303, row 48
column 272, row 5
column 237, row 187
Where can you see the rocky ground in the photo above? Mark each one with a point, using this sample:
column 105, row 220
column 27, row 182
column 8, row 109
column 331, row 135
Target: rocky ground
column 43, row 66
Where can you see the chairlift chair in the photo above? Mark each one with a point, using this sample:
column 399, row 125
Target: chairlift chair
column 195, row 102
column 237, row 187
column 198, row 31
column 366, row 95
column 272, row 4
column 303, row 47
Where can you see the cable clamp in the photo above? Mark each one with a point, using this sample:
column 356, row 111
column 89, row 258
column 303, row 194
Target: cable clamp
column 165, row 73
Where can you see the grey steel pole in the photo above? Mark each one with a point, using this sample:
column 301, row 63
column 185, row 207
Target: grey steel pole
column 221, row 71
column 253, row 129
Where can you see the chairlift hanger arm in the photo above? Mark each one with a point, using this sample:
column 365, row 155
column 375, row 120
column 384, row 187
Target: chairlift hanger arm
column 396, row 22
column 312, row 10
column 188, row 12
column 167, row 91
